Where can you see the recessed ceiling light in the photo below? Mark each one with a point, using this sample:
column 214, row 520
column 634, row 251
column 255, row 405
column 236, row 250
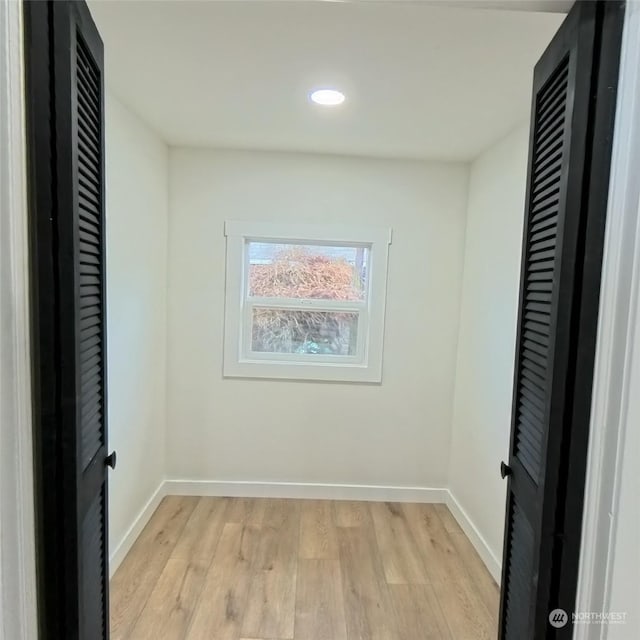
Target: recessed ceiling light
column 327, row 97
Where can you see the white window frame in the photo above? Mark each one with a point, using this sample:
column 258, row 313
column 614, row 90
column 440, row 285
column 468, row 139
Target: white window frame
column 365, row 365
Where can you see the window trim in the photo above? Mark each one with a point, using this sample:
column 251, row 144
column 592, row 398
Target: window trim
column 365, row 365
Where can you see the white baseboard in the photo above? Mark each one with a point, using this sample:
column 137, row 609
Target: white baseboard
column 119, row 553
column 493, row 564
column 303, row 490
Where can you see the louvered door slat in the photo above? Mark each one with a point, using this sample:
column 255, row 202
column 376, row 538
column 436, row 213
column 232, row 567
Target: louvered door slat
column 540, row 296
column 93, row 551
column 88, row 150
column 518, row 573
column 542, row 250
column 88, row 213
column 555, row 85
column 530, row 407
column 535, row 347
column 90, row 377
column 535, row 377
column 542, row 265
column 548, row 155
column 543, row 243
column 544, row 209
column 537, row 340
column 544, row 235
column 544, row 170
column 91, row 339
column 89, row 259
column 89, row 247
column 531, row 435
column 534, row 388
column 87, row 290
column 90, row 332
column 87, row 185
column 554, row 111
column 89, row 412
column 89, row 229
column 87, row 147
column 535, row 358
column 541, row 318
column 544, row 224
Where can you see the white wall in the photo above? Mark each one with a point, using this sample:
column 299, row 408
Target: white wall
column 625, row 573
column 488, row 319
column 137, row 218
column 624, row 514
column 394, row 434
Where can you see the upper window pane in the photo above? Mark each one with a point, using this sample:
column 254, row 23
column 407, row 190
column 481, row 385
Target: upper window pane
column 304, row 271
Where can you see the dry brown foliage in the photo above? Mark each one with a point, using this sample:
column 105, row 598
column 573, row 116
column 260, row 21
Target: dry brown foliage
column 298, row 273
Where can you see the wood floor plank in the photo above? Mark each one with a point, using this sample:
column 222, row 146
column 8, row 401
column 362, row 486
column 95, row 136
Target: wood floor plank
column 172, row 602
column 368, row 610
column 401, row 559
column 466, row 616
column 348, row 513
column 446, row 517
column 270, row 610
column 200, row 536
column 418, row 613
column 440, row 558
column 170, row 606
column 226, row 586
column 319, row 601
column 486, row 586
column 317, row 530
column 136, row 578
column 249, row 511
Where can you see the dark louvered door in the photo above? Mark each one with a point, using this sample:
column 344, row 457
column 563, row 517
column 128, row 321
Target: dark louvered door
column 79, row 144
column 65, row 58
column 560, row 262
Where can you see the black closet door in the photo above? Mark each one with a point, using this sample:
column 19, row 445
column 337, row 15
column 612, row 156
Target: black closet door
column 569, row 155
column 65, row 98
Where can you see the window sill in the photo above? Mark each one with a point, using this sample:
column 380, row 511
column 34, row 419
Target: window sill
column 309, row 372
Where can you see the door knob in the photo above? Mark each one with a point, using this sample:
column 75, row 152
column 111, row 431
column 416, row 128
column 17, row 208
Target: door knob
column 111, row 460
column 505, row 470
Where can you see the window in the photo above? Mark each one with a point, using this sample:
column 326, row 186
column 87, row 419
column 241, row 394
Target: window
column 305, row 301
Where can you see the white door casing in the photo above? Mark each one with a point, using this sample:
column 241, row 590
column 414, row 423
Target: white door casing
column 18, row 620
column 618, row 319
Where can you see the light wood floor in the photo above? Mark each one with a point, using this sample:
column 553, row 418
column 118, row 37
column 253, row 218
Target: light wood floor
column 255, row 569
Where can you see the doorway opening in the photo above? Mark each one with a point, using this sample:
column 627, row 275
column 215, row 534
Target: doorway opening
column 291, row 248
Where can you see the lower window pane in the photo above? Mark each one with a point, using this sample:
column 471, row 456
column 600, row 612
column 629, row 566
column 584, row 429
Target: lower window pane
column 305, row 332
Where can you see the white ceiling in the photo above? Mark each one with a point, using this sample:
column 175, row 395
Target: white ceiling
column 422, row 80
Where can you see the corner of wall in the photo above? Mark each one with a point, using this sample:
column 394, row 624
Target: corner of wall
column 471, row 482
column 469, row 170
column 165, row 458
